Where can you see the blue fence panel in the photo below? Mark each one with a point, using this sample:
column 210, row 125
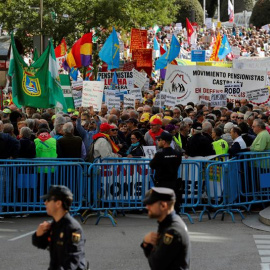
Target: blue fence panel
column 21, row 185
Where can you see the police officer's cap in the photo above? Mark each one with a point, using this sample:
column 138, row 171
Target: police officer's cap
column 156, row 194
column 61, row 193
column 166, row 136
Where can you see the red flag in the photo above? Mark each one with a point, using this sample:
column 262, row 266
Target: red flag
column 61, row 49
column 190, row 29
column 76, row 51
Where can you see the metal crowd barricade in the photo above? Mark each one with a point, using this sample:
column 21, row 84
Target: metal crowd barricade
column 22, row 184
column 239, row 184
column 118, row 186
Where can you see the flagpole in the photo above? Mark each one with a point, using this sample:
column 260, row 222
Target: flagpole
column 204, row 11
column 218, row 10
column 41, row 27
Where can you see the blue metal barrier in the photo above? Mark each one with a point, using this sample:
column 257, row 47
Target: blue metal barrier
column 236, row 184
column 21, row 185
column 118, row 186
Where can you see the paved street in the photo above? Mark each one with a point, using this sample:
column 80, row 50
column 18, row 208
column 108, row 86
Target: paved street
column 216, row 244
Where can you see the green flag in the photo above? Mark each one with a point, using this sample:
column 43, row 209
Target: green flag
column 38, row 85
column 35, row 57
column 67, row 91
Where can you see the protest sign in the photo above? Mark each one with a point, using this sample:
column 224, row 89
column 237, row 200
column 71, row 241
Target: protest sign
column 113, row 102
column 171, row 100
column 218, row 100
column 236, row 52
column 129, row 101
column 129, row 66
column 143, row 58
column 146, row 85
column 149, row 151
column 109, row 94
column 234, row 92
column 92, row 94
column 138, row 39
column 178, row 25
column 139, row 78
column 198, row 56
column 135, row 92
column 77, row 96
column 78, row 85
column 124, row 78
column 160, row 100
column 197, row 83
column 258, row 96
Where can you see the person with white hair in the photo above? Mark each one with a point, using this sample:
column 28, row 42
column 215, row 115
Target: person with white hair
column 27, row 147
column 227, row 133
column 70, row 146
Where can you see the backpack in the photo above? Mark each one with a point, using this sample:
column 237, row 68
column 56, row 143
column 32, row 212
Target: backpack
column 90, row 155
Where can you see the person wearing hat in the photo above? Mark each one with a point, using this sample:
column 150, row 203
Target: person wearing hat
column 169, row 247
column 150, row 137
column 63, row 236
column 198, row 144
column 166, row 165
column 103, row 145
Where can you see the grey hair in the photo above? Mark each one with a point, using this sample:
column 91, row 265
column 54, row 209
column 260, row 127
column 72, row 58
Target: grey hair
column 188, row 120
column 59, row 120
column 68, row 128
column 260, row 123
column 176, row 108
column 206, row 126
column 8, row 128
column 30, row 123
column 26, row 132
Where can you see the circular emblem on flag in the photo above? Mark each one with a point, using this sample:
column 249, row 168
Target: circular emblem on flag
column 30, row 84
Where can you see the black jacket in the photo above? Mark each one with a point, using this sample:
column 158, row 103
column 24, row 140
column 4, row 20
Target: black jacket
column 9, row 147
column 27, row 148
column 172, row 251
column 199, row 145
column 166, row 163
column 65, row 241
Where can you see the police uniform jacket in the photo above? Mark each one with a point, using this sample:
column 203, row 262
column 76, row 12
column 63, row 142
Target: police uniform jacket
column 172, row 251
column 65, row 242
column 166, row 163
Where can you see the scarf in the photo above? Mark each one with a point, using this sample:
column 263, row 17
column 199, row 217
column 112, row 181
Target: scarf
column 44, row 136
column 115, row 148
column 132, row 146
column 154, row 135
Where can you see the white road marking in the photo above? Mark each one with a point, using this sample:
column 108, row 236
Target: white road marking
column 263, row 246
column 21, row 236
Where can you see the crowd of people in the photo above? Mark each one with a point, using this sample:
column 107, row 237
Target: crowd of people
column 197, row 130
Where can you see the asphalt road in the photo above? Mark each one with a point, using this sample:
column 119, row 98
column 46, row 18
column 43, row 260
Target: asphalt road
column 216, row 244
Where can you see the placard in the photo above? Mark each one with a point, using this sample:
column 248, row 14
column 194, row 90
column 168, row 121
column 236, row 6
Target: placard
column 171, row 100
column 218, row 100
column 129, row 101
column 258, row 96
column 198, row 56
column 92, row 94
column 234, row 92
column 143, row 58
column 78, row 85
column 149, row 151
column 138, row 39
column 113, row 102
column 109, row 94
column 139, row 78
column 77, row 97
column 135, row 92
column 160, row 100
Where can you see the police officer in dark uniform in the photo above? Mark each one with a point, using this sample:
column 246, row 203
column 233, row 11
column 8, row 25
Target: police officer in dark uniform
column 63, row 236
column 166, row 163
column 169, row 247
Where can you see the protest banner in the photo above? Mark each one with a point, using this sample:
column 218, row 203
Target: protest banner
column 113, row 102
column 124, row 78
column 138, row 39
column 146, row 85
column 143, row 58
column 171, row 100
column 234, row 92
column 77, row 96
column 92, row 94
column 197, row 83
column 254, row 63
column 135, row 92
column 258, row 96
column 160, row 100
column 218, row 100
column 109, row 94
column 129, row 101
column 139, row 78
column 77, row 85
column 129, row 66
